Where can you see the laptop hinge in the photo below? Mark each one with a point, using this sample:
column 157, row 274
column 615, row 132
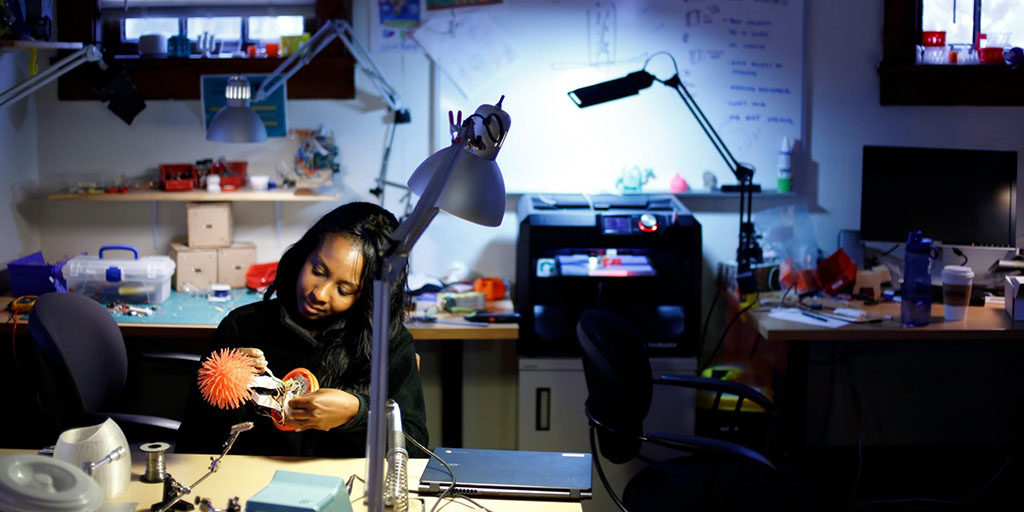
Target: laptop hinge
column 575, row 494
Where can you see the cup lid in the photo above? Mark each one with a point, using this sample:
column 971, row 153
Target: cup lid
column 957, row 271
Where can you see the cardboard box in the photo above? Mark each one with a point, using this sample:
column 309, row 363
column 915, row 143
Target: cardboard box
column 209, row 225
column 233, row 262
column 1013, row 297
column 197, row 268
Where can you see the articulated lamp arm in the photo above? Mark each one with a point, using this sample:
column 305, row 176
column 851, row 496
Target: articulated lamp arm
column 342, row 30
column 88, row 53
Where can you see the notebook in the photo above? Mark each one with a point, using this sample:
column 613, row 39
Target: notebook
column 509, row 474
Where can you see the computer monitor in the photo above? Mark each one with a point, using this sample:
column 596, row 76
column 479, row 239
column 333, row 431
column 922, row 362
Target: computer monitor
column 955, row 196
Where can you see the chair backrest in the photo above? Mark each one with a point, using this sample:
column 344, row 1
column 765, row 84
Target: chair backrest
column 618, row 374
column 82, row 348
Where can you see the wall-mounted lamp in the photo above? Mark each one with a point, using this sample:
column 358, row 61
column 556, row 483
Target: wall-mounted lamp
column 236, row 122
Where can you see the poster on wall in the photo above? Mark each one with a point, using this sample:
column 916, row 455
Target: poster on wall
column 433, row 5
column 271, row 110
column 471, row 50
column 393, row 23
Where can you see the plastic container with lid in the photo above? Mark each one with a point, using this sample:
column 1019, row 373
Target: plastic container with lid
column 145, row 280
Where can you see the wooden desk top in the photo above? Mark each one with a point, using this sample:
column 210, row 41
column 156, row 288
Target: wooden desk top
column 182, row 316
column 983, row 323
column 243, row 476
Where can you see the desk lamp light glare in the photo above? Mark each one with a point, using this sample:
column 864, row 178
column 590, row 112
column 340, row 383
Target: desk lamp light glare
column 748, row 252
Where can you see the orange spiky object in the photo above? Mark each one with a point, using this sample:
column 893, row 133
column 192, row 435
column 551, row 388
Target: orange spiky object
column 224, row 378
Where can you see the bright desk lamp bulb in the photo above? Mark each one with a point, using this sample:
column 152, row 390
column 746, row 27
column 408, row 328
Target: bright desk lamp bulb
column 236, row 122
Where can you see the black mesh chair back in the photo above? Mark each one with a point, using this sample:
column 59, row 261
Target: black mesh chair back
column 82, row 362
column 83, row 349
column 618, row 374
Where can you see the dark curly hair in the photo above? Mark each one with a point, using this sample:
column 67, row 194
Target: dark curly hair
column 345, row 344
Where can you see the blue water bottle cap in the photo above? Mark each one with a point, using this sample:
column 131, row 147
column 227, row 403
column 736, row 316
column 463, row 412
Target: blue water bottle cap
column 917, row 242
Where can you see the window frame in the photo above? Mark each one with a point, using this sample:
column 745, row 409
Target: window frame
column 903, row 82
column 330, row 75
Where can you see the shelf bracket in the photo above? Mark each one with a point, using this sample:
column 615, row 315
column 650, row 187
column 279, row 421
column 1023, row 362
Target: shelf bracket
column 154, row 216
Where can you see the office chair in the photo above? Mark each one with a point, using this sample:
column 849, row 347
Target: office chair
column 717, row 474
column 83, row 363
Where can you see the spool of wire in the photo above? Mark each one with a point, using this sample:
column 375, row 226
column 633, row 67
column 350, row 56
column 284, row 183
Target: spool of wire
column 155, row 467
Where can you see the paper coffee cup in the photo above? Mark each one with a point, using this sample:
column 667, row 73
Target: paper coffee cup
column 956, row 291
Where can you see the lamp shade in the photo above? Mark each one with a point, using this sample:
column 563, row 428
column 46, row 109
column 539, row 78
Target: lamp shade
column 236, row 122
column 475, row 190
column 612, row 90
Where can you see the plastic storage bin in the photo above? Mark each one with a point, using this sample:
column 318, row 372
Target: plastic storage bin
column 31, row 275
column 177, row 177
column 145, row 280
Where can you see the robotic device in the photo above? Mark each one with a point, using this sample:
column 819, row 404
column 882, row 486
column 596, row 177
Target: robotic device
column 228, row 378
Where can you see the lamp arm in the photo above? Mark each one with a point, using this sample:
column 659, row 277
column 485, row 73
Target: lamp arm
column 747, row 251
column 742, row 172
column 88, row 53
column 331, row 29
column 409, row 231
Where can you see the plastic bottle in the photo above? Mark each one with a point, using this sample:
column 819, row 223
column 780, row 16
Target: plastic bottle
column 916, row 307
column 785, row 176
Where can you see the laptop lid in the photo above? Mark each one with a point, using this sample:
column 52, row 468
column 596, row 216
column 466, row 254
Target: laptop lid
column 509, row 474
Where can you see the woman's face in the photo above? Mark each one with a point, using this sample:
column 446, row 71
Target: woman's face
column 328, row 282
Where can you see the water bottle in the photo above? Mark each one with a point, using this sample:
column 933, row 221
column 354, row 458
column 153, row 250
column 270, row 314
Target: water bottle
column 916, row 309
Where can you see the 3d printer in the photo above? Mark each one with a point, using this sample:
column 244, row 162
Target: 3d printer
column 637, row 256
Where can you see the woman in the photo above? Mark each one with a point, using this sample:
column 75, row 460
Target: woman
column 321, row 320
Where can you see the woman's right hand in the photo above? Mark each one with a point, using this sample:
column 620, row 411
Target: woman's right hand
column 256, row 358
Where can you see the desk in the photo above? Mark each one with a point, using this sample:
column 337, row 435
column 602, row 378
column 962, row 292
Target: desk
column 186, row 323
column 243, row 476
column 945, row 353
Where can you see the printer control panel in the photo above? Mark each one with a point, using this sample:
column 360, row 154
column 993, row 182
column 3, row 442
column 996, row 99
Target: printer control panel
column 630, row 224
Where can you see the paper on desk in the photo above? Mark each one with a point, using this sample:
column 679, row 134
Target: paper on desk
column 795, row 315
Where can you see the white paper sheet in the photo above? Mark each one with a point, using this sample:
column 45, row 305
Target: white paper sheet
column 796, row 315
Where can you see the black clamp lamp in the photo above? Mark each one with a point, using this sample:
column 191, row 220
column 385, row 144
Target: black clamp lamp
column 748, row 253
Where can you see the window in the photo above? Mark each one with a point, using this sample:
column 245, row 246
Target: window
column 903, row 82
column 135, row 27
column 271, row 28
column 115, row 25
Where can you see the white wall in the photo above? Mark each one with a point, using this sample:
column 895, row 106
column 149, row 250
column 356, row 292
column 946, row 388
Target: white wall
column 18, row 162
column 842, row 113
column 845, row 47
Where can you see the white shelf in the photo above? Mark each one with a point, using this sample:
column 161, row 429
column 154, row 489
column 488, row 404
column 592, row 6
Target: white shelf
column 42, row 45
column 199, row 196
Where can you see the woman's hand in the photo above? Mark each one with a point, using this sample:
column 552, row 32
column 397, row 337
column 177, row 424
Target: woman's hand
column 322, row 409
column 256, row 358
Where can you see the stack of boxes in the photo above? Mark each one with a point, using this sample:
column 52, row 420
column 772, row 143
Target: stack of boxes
column 210, row 256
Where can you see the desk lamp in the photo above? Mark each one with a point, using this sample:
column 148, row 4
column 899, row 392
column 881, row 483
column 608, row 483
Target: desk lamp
column 236, row 122
column 463, row 180
column 88, row 53
column 748, row 251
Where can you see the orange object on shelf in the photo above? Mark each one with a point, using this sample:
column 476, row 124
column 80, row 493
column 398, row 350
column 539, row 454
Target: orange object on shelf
column 492, row 287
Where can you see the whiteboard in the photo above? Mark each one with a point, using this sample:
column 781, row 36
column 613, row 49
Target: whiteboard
column 740, row 59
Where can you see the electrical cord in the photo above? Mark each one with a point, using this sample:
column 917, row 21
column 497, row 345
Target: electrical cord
column 960, row 253
column 967, row 498
column 721, row 340
column 707, row 319
column 876, row 260
column 449, row 490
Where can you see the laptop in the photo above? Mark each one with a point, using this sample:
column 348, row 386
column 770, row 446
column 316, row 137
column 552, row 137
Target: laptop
column 509, row 474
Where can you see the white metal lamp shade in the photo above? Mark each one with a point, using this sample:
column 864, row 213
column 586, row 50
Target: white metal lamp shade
column 475, row 190
column 236, row 122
